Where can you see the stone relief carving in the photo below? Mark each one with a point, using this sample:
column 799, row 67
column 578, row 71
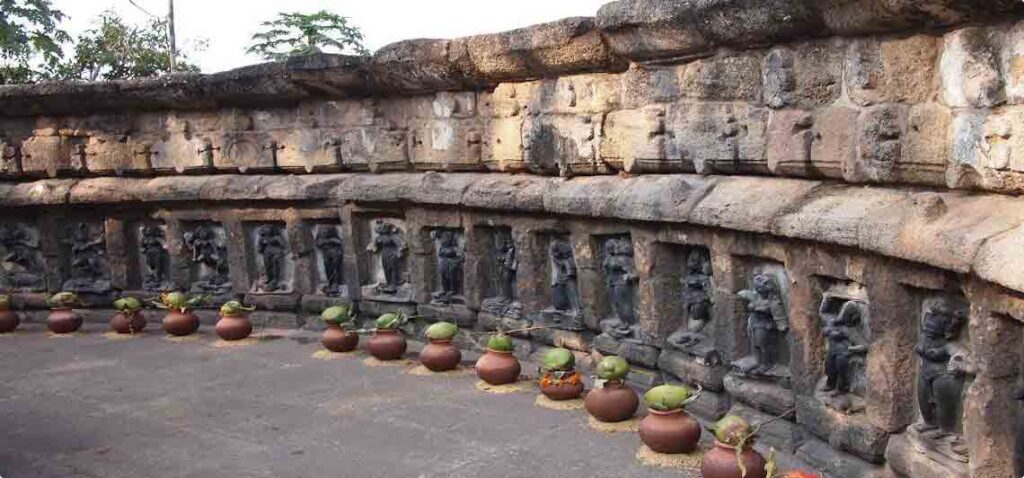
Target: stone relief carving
column 153, row 248
column 209, row 259
column 450, row 258
column 331, row 249
column 21, row 261
column 504, row 269
column 767, row 324
column 389, row 250
column 621, row 279
column 944, row 367
column 697, row 307
column 87, row 265
column 844, row 328
column 272, row 250
column 566, row 311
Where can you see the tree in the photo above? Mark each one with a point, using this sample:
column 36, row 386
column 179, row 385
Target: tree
column 294, row 34
column 29, row 35
column 115, row 50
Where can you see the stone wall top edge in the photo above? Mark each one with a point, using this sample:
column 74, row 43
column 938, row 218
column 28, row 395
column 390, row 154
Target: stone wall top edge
column 622, row 32
column 955, row 231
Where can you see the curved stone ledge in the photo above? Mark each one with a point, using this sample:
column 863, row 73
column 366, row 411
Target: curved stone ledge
column 955, row 231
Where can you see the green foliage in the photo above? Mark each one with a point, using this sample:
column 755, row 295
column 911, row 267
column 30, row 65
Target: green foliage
column 5, row 302
column 234, row 307
column 665, row 398
column 63, row 300
column 391, row 321
column 559, row 360
column 338, row 314
column 612, row 368
column 292, row 34
column 500, row 343
column 115, row 50
column 442, row 331
column 128, row 304
column 30, row 42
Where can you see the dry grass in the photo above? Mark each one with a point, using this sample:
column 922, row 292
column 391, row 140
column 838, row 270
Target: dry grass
column 324, row 354
column 117, row 336
column 221, row 344
column 689, row 462
column 422, row 371
column 545, row 402
column 188, row 338
column 63, row 336
column 521, row 386
column 628, row 426
column 373, row 362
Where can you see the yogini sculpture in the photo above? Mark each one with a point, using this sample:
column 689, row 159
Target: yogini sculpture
column 565, row 311
column 391, row 247
column 449, row 262
column 272, row 247
column 944, row 367
column 696, row 302
column 621, row 279
column 87, row 267
column 211, row 258
column 845, row 342
column 767, row 320
column 332, row 250
column 155, row 253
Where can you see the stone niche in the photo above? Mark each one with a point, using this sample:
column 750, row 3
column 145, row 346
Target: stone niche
column 328, row 239
column 149, row 267
column 207, row 247
column 618, row 305
column 271, row 263
column 22, row 267
column 85, row 267
column 563, row 315
column 446, row 269
column 498, row 267
column 384, row 265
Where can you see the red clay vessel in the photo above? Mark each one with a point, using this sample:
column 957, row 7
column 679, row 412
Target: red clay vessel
column 561, row 389
column 128, row 323
column 720, row 462
column 338, row 340
column 615, row 402
column 498, row 368
column 180, row 324
column 233, row 327
column 670, row 432
column 8, row 321
column 440, row 356
column 63, row 321
column 387, row 344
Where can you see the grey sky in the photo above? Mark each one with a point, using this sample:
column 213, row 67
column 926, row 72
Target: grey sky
column 228, row 24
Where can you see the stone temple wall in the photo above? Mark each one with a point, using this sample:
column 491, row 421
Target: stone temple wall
column 622, row 179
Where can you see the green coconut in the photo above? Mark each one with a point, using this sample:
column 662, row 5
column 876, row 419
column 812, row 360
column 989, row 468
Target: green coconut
column 559, row 360
column 732, row 430
column 442, row 331
column 175, row 300
column 5, row 302
column 62, row 300
column 612, row 368
column 234, row 307
column 389, row 321
column 128, row 304
column 664, row 398
column 500, row 343
column 337, row 314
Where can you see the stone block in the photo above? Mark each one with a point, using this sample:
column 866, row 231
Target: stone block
column 710, row 406
column 311, row 151
column 687, row 369
column 834, row 141
column 644, row 85
column 562, row 145
column 880, row 129
column 728, row 78
column 877, row 70
column 275, row 302
column 570, row 339
column 503, row 145
column 926, row 145
column 764, row 395
column 317, row 303
column 457, row 314
column 1011, row 63
column 50, row 154
column 646, row 29
column 718, row 138
column 425, row 65
column 374, row 148
column 246, row 151
column 822, row 457
column 636, row 141
column 782, row 434
column 970, row 69
column 807, row 75
column 850, row 433
column 906, row 460
column 371, row 309
column 633, row 352
column 447, row 144
column 109, row 154
column 790, row 137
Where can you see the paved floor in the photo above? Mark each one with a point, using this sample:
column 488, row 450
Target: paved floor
column 90, row 406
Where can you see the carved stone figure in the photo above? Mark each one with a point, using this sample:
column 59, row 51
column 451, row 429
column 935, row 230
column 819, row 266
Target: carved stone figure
column 503, row 275
column 21, row 266
column 332, row 250
column 449, row 262
column 565, row 311
column 766, row 322
column 272, row 246
column 845, row 342
column 697, row 305
column 943, row 370
column 621, row 279
column 391, row 247
column 87, row 267
column 210, row 255
column 155, row 254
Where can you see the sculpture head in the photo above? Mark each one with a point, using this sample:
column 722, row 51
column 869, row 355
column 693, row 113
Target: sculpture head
column 699, row 311
column 764, row 284
column 384, row 228
column 560, row 249
column 941, row 321
column 327, row 232
column 268, row 230
column 697, row 262
column 152, row 231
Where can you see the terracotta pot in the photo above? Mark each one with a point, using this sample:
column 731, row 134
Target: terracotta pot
column 8, row 321
column 337, row 339
column 180, row 324
column 498, row 368
column 387, row 344
column 669, row 432
column 720, row 462
column 616, row 402
column 233, row 327
column 125, row 323
column 440, row 356
column 63, row 321
column 561, row 391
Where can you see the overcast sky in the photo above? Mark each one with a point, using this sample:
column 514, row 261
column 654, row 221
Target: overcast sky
column 229, row 24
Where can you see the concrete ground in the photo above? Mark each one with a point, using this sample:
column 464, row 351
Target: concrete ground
column 92, row 406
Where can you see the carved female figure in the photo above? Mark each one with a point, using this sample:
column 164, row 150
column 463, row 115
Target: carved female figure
column 449, row 260
column 85, row 254
column 20, row 248
column 563, row 281
column 508, row 264
column 621, row 278
column 943, row 369
column 332, row 249
column 844, row 342
column 211, row 257
column 696, row 299
column 272, row 247
column 391, row 246
column 153, row 250
column 767, row 318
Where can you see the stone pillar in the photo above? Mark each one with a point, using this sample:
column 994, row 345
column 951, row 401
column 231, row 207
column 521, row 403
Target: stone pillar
column 238, row 245
column 117, row 252
column 659, row 291
column 180, row 256
column 357, row 266
column 533, row 282
column 303, row 252
column 589, row 277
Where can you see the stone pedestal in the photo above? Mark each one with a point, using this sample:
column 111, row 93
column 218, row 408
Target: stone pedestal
column 632, row 350
column 767, row 396
column 820, row 456
column 404, row 294
column 318, row 303
column 272, row 301
column 782, row 434
column 458, row 314
column 371, row 309
column 850, row 433
column 691, row 369
column 491, row 322
column 907, row 461
column 565, row 320
column 570, row 339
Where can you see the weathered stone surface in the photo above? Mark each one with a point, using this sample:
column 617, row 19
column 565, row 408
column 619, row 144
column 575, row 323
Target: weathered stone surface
column 637, row 353
column 737, row 203
column 877, row 70
column 688, row 370
column 784, row 435
column 646, row 29
column 822, row 457
column 907, row 461
column 881, row 129
column 834, row 141
column 850, row 433
column 804, row 76
column 970, row 69
column 769, row 397
column 718, row 138
column 728, row 78
column 1011, row 58
column 790, row 138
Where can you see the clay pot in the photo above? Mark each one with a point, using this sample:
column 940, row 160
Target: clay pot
column 614, row 403
column 440, row 356
column 180, row 324
column 562, row 390
column 337, row 339
column 233, row 327
column 720, row 462
column 498, row 368
column 125, row 323
column 8, row 321
column 669, row 432
column 63, row 321
column 387, row 344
